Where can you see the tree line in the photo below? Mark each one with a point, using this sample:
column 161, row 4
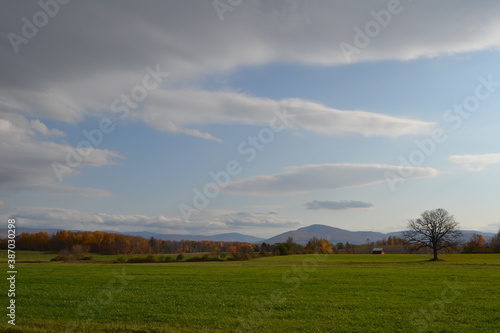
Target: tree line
column 438, row 230
column 478, row 244
column 114, row 243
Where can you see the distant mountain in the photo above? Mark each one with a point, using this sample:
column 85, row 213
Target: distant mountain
column 240, row 238
column 486, row 235
column 467, row 234
column 334, row 235
column 19, row 230
column 337, row 235
column 229, row 237
column 301, row 236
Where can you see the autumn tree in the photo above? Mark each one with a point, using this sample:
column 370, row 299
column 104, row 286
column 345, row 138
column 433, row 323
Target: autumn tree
column 234, row 251
column 61, row 240
column 283, row 249
column 435, row 229
column 321, row 246
column 477, row 244
column 350, row 248
column 87, row 238
column 215, row 251
column 107, row 243
column 495, row 243
column 216, row 248
column 79, row 251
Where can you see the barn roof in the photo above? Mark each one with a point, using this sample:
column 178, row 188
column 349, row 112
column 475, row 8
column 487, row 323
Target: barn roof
column 378, row 249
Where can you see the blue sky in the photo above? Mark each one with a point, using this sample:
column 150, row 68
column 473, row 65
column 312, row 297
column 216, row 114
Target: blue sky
column 207, row 82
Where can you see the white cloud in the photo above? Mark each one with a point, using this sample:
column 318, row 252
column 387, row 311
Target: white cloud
column 309, row 178
column 27, row 158
column 40, row 127
column 475, row 162
column 55, row 104
column 337, row 205
column 211, row 221
column 173, row 111
column 62, row 218
column 94, row 51
column 245, row 219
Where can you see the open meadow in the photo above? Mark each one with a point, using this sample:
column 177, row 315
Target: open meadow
column 297, row 293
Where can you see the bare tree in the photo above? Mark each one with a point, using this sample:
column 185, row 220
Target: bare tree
column 79, row 251
column 436, row 229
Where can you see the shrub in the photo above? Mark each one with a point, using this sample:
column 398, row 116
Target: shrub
column 245, row 256
column 62, row 255
column 121, row 259
column 180, row 257
column 135, row 260
column 79, row 251
column 151, row 258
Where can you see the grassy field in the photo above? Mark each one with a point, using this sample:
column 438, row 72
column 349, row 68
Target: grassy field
column 30, row 256
column 301, row 293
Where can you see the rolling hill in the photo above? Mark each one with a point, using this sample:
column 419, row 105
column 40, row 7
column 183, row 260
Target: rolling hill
column 332, row 234
column 301, row 235
column 228, row 237
column 336, row 235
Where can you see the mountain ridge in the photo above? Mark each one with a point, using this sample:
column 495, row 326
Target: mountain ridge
column 300, row 235
column 332, row 234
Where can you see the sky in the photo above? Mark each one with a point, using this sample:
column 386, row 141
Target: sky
column 248, row 116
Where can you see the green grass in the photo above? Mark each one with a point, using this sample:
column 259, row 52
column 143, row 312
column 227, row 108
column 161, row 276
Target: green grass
column 27, row 256
column 328, row 293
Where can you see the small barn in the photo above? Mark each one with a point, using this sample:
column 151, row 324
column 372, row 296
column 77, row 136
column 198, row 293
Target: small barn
column 378, row 250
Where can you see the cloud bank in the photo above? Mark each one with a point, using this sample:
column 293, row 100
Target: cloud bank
column 245, row 219
column 475, row 162
column 337, row 205
column 76, row 65
column 175, row 111
column 211, row 221
column 309, row 178
column 28, row 153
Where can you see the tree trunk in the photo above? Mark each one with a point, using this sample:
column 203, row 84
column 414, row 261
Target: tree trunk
column 435, row 251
